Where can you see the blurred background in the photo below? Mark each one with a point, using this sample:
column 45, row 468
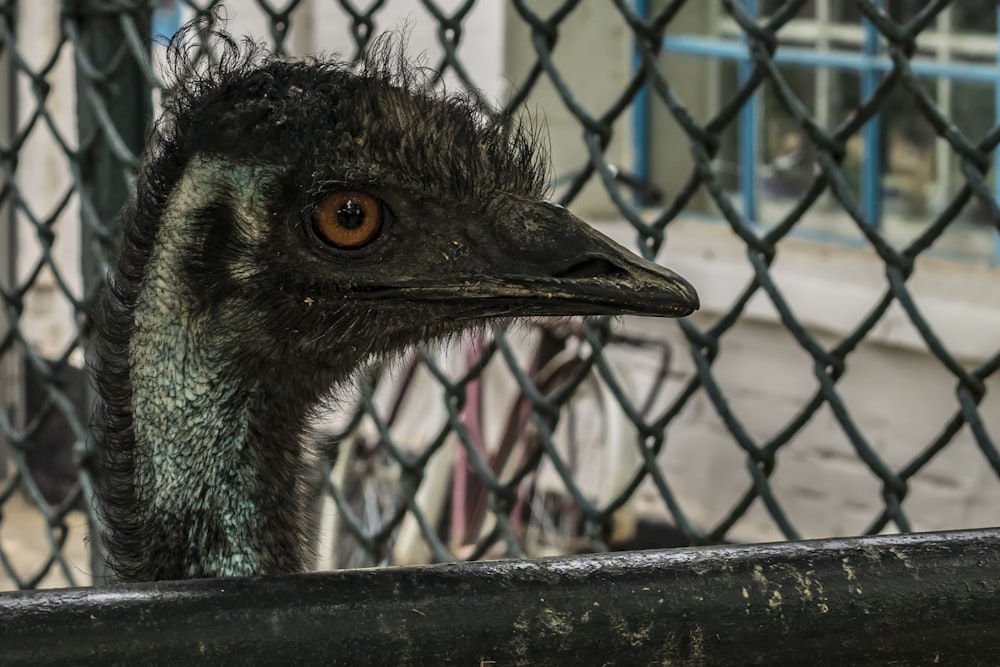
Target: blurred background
column 822, row 171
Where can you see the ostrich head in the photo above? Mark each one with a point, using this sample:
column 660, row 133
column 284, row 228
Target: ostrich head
column 290, row 221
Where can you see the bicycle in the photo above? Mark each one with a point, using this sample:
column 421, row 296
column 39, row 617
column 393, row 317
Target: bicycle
column 390, row 503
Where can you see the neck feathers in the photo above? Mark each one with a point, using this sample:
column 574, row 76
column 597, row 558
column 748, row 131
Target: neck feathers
column 201, row 465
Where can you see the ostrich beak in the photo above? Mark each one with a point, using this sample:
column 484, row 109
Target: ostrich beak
column 544, row 261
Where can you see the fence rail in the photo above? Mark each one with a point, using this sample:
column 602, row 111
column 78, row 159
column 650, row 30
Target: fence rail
column 866, row 601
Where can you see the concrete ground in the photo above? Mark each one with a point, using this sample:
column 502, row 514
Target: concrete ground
column 26, row 546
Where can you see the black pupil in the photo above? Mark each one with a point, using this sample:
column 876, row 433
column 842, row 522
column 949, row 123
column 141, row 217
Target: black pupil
column 350, row 215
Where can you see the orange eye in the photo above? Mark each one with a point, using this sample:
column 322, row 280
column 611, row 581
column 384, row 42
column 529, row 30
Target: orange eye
column 348, row 219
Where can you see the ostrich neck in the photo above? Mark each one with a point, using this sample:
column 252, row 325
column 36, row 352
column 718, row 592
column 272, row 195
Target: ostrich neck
column 216, row 468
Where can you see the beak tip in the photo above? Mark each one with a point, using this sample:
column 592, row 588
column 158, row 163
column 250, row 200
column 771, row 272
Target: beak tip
column 681, row 293
column 694, row 301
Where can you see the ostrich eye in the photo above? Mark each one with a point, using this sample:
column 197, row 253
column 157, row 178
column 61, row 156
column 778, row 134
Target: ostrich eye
column 348, row 220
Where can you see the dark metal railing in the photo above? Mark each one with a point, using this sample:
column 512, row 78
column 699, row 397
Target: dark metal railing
column 920, row 599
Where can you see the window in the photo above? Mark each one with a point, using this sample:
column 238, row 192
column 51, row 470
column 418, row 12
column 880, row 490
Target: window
column 166, row 19
column 833, row 59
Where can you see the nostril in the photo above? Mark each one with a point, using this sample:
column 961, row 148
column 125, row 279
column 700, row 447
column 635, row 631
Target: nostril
column 593, row 267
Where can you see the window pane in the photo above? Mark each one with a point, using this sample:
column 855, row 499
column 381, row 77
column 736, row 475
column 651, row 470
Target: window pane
column 845, row 12
column 922, row 173
column 902, row 11
column 807, row 11
column 974, row 16
column 790, row 158
column 972, row 109
column 727, row 164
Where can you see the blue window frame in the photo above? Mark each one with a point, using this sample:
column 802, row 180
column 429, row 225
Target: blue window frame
column 870, row 67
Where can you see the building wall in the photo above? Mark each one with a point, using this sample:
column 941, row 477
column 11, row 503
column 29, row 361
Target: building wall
column 43, row 178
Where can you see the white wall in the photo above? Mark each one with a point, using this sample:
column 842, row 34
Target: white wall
column 321, row 27
column 592, row 56
column 43, row 177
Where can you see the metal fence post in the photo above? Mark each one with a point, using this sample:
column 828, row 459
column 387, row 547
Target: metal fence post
column 114, row 104
column 8, row 112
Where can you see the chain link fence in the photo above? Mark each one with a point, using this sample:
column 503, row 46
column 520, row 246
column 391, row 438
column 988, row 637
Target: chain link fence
column 558, row 438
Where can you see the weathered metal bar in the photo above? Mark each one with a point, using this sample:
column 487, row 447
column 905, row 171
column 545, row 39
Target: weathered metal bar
column 913, row 599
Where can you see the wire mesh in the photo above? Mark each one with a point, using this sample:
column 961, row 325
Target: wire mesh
column 536, row 441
